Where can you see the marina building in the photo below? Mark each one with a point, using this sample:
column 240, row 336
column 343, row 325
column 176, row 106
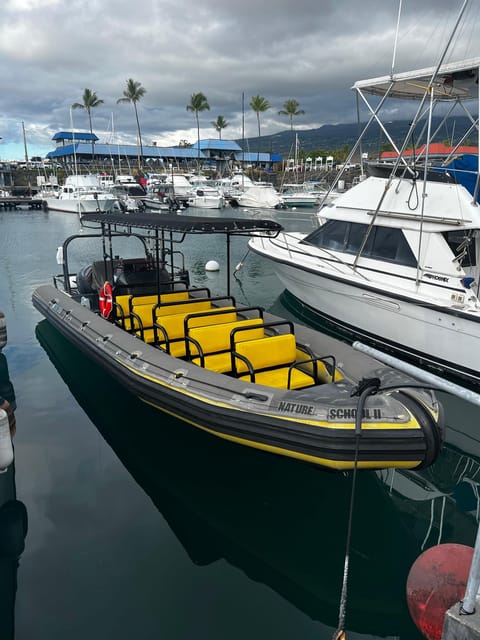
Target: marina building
column 79, row 147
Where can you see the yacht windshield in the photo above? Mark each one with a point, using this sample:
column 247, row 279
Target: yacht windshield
column 383, row 243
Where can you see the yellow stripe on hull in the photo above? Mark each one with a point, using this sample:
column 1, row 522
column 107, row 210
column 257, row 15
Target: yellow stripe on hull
column 338, row 465
column 409, row 424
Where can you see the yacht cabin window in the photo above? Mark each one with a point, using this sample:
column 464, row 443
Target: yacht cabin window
column 383, row 243
column 462, row 246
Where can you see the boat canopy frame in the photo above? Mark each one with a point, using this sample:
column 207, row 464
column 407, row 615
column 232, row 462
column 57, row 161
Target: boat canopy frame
column 453, row 83
column 166, row 231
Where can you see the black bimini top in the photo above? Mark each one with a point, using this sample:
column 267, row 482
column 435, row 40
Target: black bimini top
column 184, row 224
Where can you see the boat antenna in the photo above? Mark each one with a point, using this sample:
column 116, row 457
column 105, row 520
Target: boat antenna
column 427, row 147
column 112, row 161
column 396, row 37
column 243, row 138
column 447, row 46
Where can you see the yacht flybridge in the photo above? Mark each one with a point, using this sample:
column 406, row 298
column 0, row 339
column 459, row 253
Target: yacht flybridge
column 396, row 257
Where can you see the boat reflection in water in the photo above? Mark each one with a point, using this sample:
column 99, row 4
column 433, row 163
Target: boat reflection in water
column 282, row 523
column 13, row 522
column 442, row 503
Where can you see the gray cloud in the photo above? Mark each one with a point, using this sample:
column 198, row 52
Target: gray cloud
column 310, row 50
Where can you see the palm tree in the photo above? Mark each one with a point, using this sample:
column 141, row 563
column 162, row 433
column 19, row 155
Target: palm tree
column 198, row 103
column 133, row 93
column 90, row 101
column 290, row 109
column 219, row 124
column 259, row 105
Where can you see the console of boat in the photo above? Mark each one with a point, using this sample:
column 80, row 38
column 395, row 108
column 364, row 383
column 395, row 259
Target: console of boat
column 233, row 370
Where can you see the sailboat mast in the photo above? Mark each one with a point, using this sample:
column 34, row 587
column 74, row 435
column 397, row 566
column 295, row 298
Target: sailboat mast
column 243, row 138
column 25, row 142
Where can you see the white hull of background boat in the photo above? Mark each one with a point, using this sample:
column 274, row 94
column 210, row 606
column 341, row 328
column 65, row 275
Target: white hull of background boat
column 206, row 201
column 80, row 206
column 450, row 340
column 303, row 201
column 259, row 196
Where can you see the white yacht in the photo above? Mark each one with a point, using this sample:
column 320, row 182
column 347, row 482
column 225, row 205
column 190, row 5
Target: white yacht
column 81, row 194
column 242, row 191
column 307, row 195
column 205, row 196
column 261, row 196
column 396, row 258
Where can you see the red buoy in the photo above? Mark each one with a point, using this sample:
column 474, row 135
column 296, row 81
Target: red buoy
column 437, row 580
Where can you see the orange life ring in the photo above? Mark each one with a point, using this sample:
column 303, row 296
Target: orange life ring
column 105, row 300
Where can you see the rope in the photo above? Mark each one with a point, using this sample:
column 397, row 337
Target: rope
column 240, row 264
column 365, row 388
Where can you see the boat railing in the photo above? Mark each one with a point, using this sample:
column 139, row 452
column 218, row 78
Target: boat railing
column 59, row 280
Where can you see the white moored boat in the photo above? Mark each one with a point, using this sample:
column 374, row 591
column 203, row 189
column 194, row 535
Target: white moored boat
column 81, row 194
column 258, row 195
column 396, row 258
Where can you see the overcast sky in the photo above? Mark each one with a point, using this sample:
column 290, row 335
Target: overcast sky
column 309, row 50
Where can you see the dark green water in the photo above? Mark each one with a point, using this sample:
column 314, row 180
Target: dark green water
column 140, row 526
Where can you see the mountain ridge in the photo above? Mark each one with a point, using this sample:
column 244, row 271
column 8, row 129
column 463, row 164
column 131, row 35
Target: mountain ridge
column 334, row 136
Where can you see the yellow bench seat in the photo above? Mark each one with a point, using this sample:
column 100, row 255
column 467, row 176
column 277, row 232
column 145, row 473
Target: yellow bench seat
column 170, row 329
column 126, row 304
column 211, row 344
column 268, row 361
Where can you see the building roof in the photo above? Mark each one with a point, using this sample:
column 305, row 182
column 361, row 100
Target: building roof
column 216, row 144
column 74, row 135
column 126, row 150
column 247, row 156
column 434, row 149
column 82, row 145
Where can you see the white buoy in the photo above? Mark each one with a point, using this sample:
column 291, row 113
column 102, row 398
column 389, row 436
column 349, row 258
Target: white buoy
column 6, row 447
column 3, row 330
column 212, row 265
column 59, row 255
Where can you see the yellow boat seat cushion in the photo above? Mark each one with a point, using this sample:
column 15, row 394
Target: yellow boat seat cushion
column 216, row 337
column 279, row 378
column 214, row 342
column 270, row 359
column 174, row 327
column 187, row 307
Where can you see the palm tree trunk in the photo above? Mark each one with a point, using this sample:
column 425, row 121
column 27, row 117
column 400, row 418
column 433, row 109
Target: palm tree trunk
column 258, row 147
column 91, row 133
column 198, row 144
column 140, row 155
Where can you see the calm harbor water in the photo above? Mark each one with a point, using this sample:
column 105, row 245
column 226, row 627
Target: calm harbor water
column 141, row 526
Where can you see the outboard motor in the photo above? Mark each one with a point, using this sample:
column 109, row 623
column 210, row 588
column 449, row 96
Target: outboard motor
column 84, row 280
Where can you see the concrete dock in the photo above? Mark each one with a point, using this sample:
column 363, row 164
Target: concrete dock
column 13, row 202
column 461, row 626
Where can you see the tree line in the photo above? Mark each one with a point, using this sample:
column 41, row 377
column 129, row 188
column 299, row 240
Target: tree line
column 134, row 92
